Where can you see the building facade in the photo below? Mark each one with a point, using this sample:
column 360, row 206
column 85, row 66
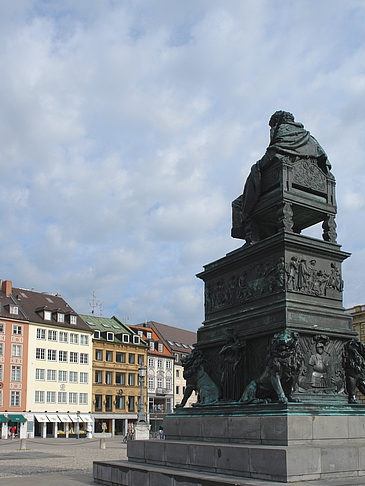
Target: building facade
column 118, row 354
column 160, row 376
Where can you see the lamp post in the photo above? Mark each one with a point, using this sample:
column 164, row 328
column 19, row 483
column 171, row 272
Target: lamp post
column 142, row 427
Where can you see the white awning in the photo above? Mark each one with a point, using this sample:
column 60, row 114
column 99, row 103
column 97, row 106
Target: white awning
column 41, row 417
column 53, row 417
column 64, row 417
column 75, row 418
column 86, row 418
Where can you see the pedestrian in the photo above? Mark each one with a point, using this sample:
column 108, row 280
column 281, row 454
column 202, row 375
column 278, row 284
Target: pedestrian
column 13, row 431
column 160, row 431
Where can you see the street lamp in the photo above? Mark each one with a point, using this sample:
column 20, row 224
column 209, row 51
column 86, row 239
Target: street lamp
column 141, row 416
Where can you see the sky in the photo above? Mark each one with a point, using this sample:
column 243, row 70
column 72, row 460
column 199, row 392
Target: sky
column 127, row 128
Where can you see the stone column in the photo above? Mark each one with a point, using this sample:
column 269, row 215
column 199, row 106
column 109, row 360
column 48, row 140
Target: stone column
column 44, row 430
column 125, row 426
column 23, row 430
column 4, row 431
column 55, row 430
column 113, row 427
column 66, row 429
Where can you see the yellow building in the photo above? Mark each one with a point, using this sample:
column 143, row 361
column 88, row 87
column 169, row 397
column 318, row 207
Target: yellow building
column 118, row 354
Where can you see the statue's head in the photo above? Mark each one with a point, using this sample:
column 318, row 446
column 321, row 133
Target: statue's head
column 280, row 117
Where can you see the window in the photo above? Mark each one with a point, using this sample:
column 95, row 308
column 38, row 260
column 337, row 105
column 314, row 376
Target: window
column 96, row 334
column 73, row 377
column 177, row 357
column 1, row 372
column 109, row 356
column 73, row 319
column 16, row 373
column 47, row 315
column 98, row 403
column 120, row 357
column 151, row 362
column 62, row 397
column 15, row 398
column 98, row 355
column 51, row 355
column 41, row 333
column 177, row 373
column 140, row 359
column 84, row 339
column 17, row 330
column 63, row 337
column 84, row 358
column 52, row 335
column 151, row 382
column 130, row 404
column 2, row 349
column 40, row 353
column 98, row 376
column 125, row 338
column 62, row 376
column 159, row 363
column 131, row 358
column 108, row 378
column 108, row 403
column 13, row 309
column 160, row 347
column 110, row 336
column 168, row 384
column 131, row 379
column 159, row 382
column 62, row 356
column 74, row 357
column 39, row 396
column 178, row 345
column 74, row 338
column 168, row 365
column 149, row 335
column 84, row 377
column 120, row 378
column 2, row 328
column 16, row 350
column 60, row 317
column 140, row 334
column 72, row 398
column 177, row 390
column 51, row 375
column 51, row 397
column 135, row 339
column 83, row 398
column 1, row 399
column 120, row 402
column 152, row 346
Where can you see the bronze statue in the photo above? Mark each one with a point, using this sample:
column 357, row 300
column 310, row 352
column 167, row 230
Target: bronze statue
column 280, row 376
column 354, row 364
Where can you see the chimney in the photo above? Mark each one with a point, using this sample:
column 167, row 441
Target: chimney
column 7, row 287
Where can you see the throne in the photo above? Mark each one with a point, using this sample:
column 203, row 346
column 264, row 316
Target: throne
column 296, row 193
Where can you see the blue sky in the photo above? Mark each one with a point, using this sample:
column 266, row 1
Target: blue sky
column 128, row 127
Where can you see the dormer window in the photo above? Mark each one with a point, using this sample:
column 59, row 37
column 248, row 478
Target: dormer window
column 110, row 336
column 13, row 309
column 149, row 335
column 136, row 339
column 140, row 334
column 160, row 347
column 96, row 334
column 47, row 315
column 73, row 319
column 60, row 317
column 125, row 338
column 152, row 346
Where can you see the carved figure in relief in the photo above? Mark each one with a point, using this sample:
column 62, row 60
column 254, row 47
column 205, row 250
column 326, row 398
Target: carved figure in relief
column 232, row 355
column 278, row 381
column 303, row 275
column 354, row 364
column 197, row 379
column 292, row 274
column 319, row 362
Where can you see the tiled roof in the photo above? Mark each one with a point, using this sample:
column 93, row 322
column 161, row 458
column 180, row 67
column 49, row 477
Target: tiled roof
column 109, row 324
column 179, row 340
column 166, row 353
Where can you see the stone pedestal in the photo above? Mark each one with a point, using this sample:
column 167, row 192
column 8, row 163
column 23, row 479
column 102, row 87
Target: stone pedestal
column 142, row 431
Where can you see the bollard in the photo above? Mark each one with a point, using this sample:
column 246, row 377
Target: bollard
column 102, row 444
column 23, row 445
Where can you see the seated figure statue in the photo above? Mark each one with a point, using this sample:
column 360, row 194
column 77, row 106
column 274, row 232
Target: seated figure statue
column 287, row 138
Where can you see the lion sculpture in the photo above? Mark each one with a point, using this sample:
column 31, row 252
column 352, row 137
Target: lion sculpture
column 198, row 379
column 278, row 380
column 354, row 364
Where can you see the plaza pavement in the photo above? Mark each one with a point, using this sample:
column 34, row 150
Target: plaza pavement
column 55, row 462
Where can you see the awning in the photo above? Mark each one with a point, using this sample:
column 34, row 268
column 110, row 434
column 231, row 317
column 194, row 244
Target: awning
column 75, row 418
column 64, row 417
column 86, row 418
column 53, row 417
column 16, row 417
column 3, row 419
column 41, row 417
